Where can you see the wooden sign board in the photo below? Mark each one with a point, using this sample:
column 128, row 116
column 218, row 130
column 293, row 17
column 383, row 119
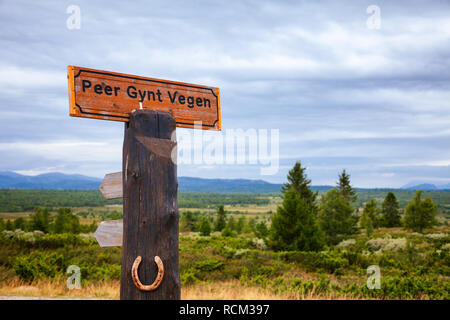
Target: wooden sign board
column 112, row 186
column 112, row 96
column 109, row 233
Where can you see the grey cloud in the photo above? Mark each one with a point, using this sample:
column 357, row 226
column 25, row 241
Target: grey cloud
column 341, row 94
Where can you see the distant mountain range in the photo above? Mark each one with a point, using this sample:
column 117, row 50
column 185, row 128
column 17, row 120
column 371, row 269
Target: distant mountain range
column 189, row 184
column 425, row 186
column 56, row 180
column 53, row 180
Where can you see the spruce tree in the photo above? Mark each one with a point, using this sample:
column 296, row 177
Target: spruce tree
column 299, row 182
column 205, row 227
column 294, row 225
column 370, row 213
column 390, row 211
column 188, row 221
column 345, row 187
column 220, row 222
column 251, row 225
column 40, row 220
column 420, row 214
column 20, row 223
column 261, row 230
column 9, row 225
column 231, row 223
column 66, row 222
column 368, row 225
column 336, row 216
column 241, row 224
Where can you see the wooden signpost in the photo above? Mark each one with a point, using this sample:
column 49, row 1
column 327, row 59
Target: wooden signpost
column 152, row 109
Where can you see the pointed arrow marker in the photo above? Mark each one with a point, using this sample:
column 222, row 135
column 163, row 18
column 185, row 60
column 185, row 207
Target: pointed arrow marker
column 111, row 186
column 109, row 233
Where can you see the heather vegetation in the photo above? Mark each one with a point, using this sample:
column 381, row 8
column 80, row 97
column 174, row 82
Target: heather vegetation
column 413, row 266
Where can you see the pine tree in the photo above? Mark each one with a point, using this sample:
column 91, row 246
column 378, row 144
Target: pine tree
column 20, row 223
column 40, row 220
column 188, row 221
column 66, row 222
column 370, row 212
column 261, row 230
column 294, row 225
column 205, row 227
column 220, row 222
column 231, row 223
column 9, row 225
column 345, row 187
column 420, row 214
column 390, row 211
column 336, row 216
column 368, row 225
column 241, row 224
column 298, row 181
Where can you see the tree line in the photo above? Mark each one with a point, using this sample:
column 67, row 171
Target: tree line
column 41, row 220
column 19, row 200
column 305, row 222
column 227, row 225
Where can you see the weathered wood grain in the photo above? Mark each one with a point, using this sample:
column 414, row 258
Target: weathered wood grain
column 150, row 207
column 109, row 233
column 111, row 186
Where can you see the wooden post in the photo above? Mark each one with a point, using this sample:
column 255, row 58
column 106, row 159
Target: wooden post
column 150, row 223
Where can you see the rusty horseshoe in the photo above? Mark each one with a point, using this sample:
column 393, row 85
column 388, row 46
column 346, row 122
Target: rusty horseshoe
column 159, row 277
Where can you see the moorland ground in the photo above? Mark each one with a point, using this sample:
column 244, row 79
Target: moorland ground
column 238, row 265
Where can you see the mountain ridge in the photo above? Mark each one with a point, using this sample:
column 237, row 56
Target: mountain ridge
column 425, row 186
column 61, row 181
column 57, row 180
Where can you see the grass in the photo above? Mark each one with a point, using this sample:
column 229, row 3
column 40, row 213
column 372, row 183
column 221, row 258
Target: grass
column 234, row 290
column 223, row 290
column 14, row 215
column 57, row 289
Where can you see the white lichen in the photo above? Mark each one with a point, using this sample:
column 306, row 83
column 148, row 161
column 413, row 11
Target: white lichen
column 346, row 243
column 259, row 244
column 437, row 235
column 386, row 244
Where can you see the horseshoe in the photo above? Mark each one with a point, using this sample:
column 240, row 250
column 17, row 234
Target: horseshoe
column 159, row 277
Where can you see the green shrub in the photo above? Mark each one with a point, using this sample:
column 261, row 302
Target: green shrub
column 101, row 272
column 412, row 288
column 39, row 265
column 188, row 278
column 36, row 240
column 208, row 265
column 227, row 232
column 260, row 281
column 316, row 260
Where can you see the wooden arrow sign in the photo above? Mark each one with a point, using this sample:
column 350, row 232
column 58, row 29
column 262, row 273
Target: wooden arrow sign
column 109, row 233
column 111, row 186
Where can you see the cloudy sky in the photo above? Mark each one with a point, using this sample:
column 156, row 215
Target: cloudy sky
column 342, row 93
